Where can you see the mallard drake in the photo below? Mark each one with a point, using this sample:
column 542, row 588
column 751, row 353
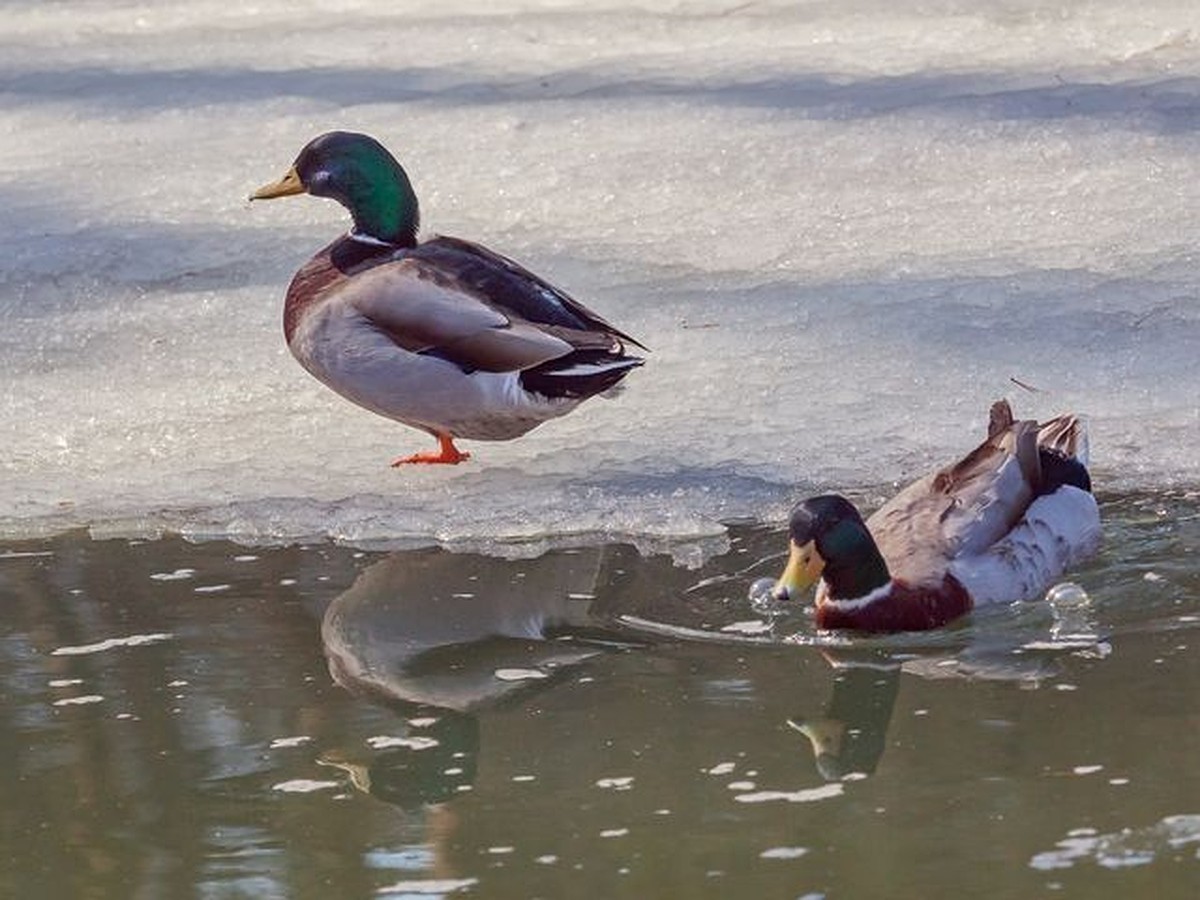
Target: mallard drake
column 443, row 335
column 998, row 526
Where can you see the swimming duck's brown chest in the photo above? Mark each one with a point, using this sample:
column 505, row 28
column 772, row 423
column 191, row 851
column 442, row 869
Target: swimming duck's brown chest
column 905, row 607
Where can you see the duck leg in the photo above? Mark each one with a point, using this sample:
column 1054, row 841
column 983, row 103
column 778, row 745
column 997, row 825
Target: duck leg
column 446, row 453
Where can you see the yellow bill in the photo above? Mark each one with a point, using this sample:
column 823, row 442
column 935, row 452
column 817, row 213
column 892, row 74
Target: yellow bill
column 804, row 567
column 286, row 186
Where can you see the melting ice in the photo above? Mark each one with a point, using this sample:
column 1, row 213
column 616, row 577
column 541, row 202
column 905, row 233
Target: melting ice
column 842, row 228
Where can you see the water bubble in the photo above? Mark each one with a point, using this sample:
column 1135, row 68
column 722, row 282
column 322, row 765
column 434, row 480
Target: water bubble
column 1068, row 593
column 762, row 597
column 1071, row 607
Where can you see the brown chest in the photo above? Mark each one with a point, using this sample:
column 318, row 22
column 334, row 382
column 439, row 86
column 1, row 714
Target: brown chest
column 314, row 282
column 904, row 608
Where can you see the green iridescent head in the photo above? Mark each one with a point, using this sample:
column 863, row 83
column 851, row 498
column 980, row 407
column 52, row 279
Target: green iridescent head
column 358, row 172
column 828, row 539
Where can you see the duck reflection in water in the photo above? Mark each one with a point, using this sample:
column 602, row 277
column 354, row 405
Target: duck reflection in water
column 437, row 636
column 848, row 738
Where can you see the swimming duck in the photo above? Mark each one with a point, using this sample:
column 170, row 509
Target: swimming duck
column 443, row 335
column 998, row 526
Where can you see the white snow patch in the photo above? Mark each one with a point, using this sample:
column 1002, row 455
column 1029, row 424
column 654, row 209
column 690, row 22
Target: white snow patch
column 133, row 640
column 420, row 742
column 296, row 741
column 177, row 575
column 750, row 626
column 304, row 786
column 1124, row 848
column 807, row 795
column 783, row 853
column 431, row 886
column 79, row 701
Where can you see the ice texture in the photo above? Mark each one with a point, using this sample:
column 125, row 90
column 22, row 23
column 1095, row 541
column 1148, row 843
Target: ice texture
column 842, row 227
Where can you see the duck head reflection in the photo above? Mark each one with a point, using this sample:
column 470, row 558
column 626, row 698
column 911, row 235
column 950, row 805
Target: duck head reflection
column 848, row 738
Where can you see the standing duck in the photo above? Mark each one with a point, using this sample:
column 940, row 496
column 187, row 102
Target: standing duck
column 443, row 335
column 996, row 527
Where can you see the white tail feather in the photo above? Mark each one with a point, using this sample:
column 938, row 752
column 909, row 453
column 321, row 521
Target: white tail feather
column 1057, row 531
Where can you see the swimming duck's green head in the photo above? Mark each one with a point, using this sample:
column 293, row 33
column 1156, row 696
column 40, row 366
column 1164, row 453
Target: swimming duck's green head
column 828, row 539
column 358, row 172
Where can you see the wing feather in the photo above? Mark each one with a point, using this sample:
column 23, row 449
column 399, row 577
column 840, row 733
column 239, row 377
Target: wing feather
column 964, row 508
column 424, row 316
column 465, row 304
column 511, row 288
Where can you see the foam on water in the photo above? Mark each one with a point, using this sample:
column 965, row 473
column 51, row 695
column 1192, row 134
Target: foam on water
column 842, row 229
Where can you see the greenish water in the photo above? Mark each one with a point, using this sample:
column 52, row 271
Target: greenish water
column 211, row 720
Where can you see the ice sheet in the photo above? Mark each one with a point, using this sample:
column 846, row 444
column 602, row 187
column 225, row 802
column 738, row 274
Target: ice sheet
column 843, row 228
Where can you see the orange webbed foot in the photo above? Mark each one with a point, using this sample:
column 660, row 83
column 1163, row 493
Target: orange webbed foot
column 446, row 454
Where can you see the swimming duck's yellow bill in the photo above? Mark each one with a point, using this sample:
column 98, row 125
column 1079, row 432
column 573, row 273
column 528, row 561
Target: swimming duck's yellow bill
column 804, row 567
column 286, row 186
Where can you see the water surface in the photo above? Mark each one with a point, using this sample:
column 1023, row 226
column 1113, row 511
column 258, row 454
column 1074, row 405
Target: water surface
column 214, row 720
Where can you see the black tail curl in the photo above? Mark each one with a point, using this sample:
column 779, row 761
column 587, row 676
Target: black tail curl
column 568, row 376
column 1059, row 469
